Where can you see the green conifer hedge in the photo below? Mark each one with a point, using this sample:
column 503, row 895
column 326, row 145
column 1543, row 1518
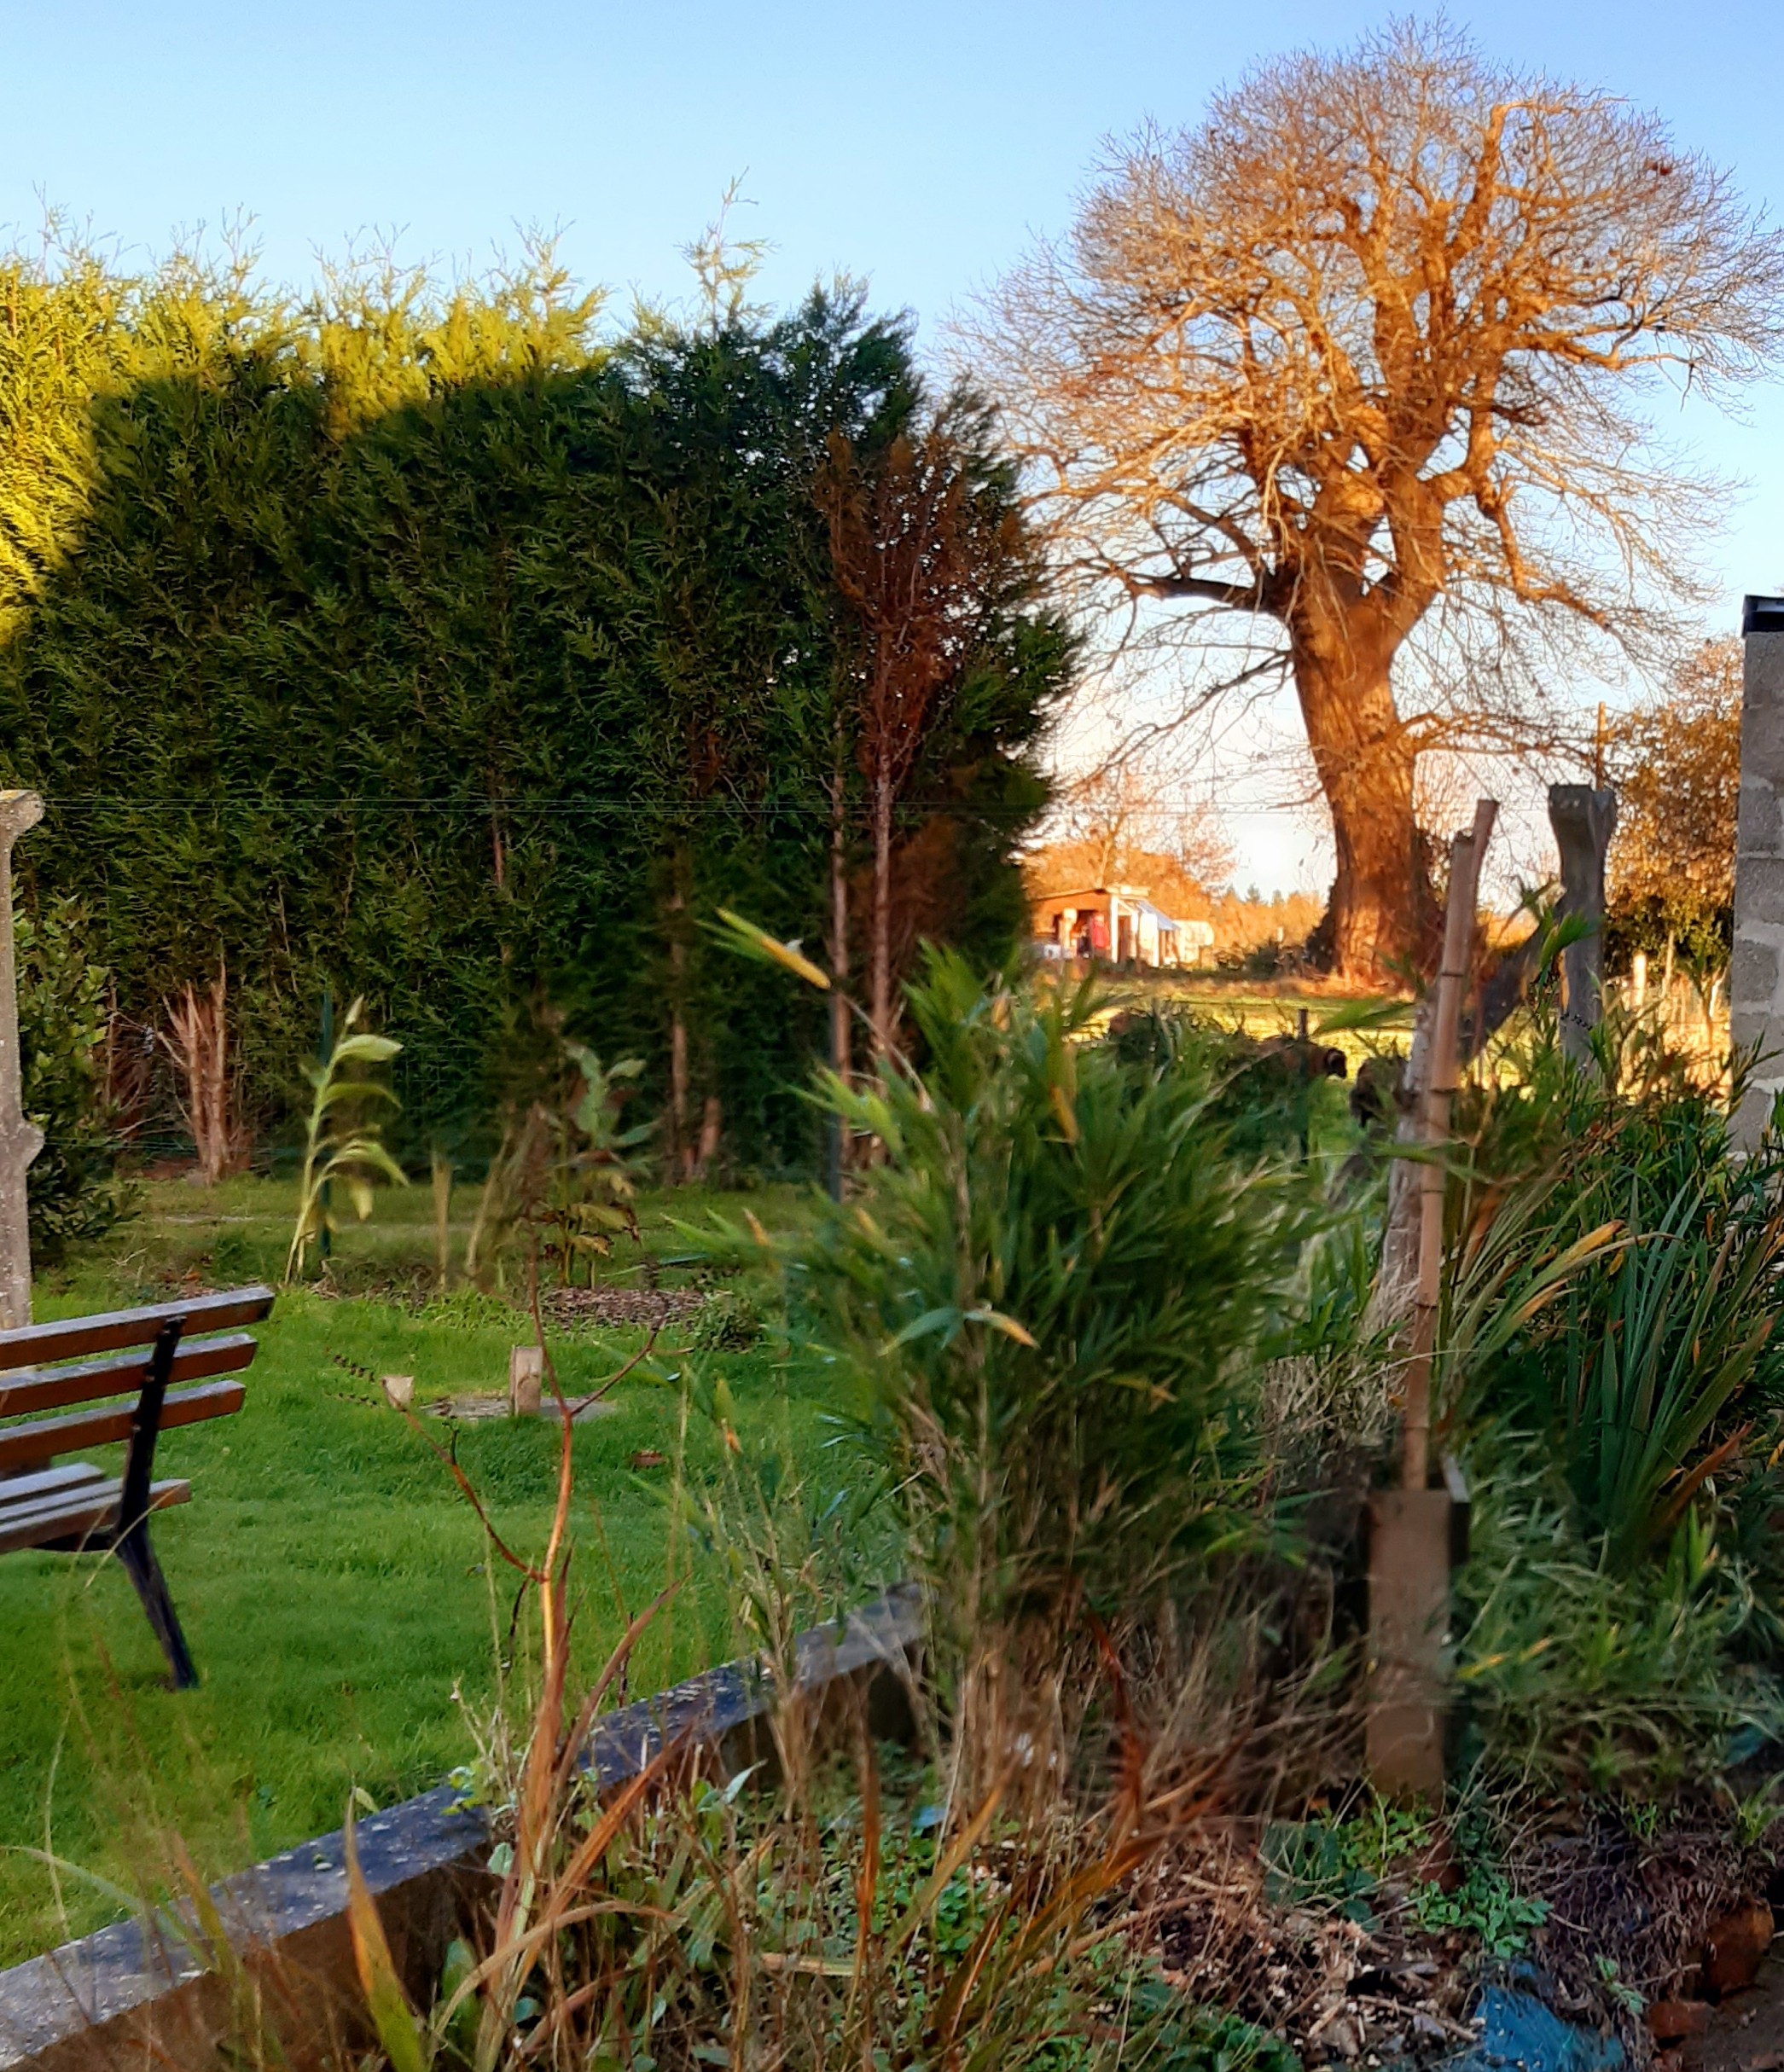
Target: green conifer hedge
column 443, row 647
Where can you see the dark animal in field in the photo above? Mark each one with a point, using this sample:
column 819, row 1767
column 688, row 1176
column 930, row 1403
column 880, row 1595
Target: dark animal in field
column 1151, row 1035
column 1259, row 1086
column 1375, row 1094
column 1294, row 1060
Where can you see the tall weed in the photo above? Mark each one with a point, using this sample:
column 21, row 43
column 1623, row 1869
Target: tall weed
column 343, row 1140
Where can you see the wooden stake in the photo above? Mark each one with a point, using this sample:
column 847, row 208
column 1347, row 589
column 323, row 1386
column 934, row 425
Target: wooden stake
column 1465, row 852
column 1413, row 1529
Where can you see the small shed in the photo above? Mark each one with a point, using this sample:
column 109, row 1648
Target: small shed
column 1117, row 924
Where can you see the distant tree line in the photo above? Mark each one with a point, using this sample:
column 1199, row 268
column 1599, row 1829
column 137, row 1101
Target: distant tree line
column 1674, row 757
column 448, row 647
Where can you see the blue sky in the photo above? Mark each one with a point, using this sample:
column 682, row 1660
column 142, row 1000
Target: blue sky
column 917, row 146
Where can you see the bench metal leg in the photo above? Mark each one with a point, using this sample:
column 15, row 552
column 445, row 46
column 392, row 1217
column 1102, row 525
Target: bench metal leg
column 132, row 1543
column 140, row 1564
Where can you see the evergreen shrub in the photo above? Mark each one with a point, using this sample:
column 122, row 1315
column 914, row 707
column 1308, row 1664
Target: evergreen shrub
column 74, row 1190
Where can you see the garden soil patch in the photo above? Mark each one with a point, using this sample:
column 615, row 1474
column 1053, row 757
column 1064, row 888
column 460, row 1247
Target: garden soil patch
column 1630, row 1923
column 1334, row 1988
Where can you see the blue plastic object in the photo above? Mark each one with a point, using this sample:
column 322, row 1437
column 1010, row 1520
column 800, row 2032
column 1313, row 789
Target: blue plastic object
column 1519, row 2033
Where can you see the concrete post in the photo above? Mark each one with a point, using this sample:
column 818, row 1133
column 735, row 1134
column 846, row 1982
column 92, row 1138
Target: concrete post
column 1584, row 820
column 525, row 1380
column 1756, row 987
column 19, row 1141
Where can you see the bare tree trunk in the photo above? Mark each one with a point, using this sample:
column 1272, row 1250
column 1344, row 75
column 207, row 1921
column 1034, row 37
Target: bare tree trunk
column 1584, row 820
column 216, row 1075
column 839, row 952
column 711, row 1129
column 440, row 1171
column 681, row 1146
column 881, row 1002
column 1380, row 916
column 681, row 1135
column 839, row 943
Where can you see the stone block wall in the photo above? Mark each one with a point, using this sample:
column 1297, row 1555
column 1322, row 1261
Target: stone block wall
column 1755, row 978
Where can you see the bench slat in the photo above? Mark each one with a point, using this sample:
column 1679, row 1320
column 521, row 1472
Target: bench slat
column 93, row 1380
column 23, row 1521
column 80, row 1512
column 49, row 1436
column 35, row 1344
column 31, row 1488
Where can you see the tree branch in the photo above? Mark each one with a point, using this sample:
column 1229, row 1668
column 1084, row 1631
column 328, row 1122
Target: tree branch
column 1235, row 596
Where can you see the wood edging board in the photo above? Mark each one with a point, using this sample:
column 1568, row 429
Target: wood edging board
column 127, row 1998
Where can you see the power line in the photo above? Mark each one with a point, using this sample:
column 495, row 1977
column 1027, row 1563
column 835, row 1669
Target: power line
column 96, row 801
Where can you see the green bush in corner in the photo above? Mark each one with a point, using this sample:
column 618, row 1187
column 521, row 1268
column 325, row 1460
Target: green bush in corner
column 74, row 1188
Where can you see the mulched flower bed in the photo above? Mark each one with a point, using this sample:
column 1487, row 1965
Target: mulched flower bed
column 645, row 1306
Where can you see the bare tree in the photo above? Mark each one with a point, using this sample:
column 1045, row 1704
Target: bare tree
column 1135, row 805
column 926, row 547
column 1364, row 356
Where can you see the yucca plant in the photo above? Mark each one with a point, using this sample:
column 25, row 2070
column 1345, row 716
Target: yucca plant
column 1577, row 1673
column 1624, row 1345
column 343, row 1145
column 1657, row 1345
column 1610, row 1283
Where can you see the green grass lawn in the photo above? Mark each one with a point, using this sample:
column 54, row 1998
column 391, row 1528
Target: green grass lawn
column 1272, row 1007
column 336, row 1589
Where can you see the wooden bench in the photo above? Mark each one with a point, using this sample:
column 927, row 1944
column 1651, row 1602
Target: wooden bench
column 166, row 1359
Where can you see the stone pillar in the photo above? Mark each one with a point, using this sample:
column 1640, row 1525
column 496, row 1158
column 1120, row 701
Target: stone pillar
column 1584, row 820
column 19, row 1142
column 1756, row 994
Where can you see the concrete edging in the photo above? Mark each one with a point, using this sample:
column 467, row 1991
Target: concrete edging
column 128, row 1996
